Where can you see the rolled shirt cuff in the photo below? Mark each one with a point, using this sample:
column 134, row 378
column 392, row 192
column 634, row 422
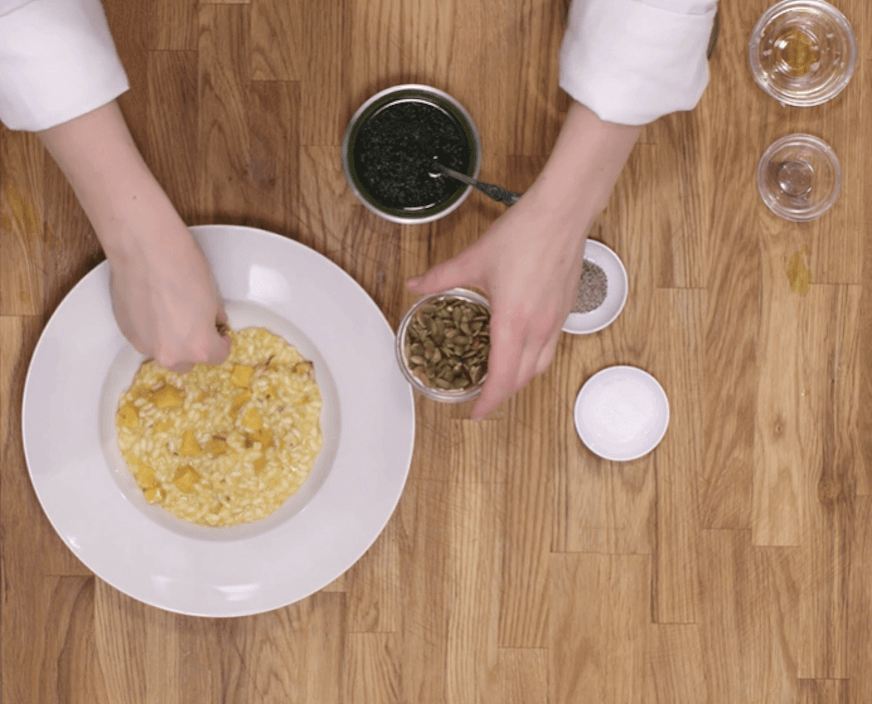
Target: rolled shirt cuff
column 57, row 62
column 631, row 62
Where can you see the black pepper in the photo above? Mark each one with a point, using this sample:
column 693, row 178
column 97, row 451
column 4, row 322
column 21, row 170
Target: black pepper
column 592, row 288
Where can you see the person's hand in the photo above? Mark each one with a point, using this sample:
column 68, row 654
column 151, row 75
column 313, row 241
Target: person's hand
column 528, row 263
column 163, row 294
column 165, row 299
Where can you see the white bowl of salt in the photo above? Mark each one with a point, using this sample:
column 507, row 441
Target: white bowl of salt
column 621, row 413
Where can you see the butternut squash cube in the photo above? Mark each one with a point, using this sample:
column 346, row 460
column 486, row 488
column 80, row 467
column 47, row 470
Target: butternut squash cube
column 186, row 477
column 259, row 464
column 146, row 476
column 128, row 416
column 263, row 436
column 217, row 446
column 154, row 494
column 241, row 375
column 168, row 396
column 239, row 401
column 190, row 446
column 252, row 420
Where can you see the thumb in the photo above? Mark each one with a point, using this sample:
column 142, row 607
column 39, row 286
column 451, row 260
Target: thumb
column 218, row 350
column 442, row 277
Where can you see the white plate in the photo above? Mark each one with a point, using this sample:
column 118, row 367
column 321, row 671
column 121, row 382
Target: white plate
column 621, row 413
column 616, row 293
column 82, row 363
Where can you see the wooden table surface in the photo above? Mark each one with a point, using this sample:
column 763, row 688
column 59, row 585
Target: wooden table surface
column 733, row 564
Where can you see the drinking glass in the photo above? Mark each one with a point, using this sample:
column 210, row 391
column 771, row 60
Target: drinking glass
column 799, row 177
column 802, row 52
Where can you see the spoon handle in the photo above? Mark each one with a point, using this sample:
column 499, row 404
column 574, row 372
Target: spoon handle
column 498, row 194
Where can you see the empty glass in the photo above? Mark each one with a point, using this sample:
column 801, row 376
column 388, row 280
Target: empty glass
column 799, row 177
column 802, row 52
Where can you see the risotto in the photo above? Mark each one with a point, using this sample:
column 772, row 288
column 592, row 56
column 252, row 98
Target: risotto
column 223, row 445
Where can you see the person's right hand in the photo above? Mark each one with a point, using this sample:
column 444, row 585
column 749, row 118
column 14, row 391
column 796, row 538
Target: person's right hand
column 528, row 263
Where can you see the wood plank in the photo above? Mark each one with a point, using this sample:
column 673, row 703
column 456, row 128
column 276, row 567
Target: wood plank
column 333, row 223
column 324, row 60
column 823, row 691
column 427, row 601
column 860, row 605
column 678, row 460
column 683, row 216
column 273, row 169
column 829, row 428
column 732, row 319
column 529, row 466
column 599, row 642
column 132, row 29
column 49, row 646
column 370, row 670
column 476, row 553
column 778, row 510
column 137, row 648
column 277, row 34
column 535, row 106
column 674, row 668
column 22, row 266
column 174, row 25
column 523, row 675
column 373, row 587
column 68, row 242
column 748, row 598
column 173, row 127
column 223, row 81
column 292, row 654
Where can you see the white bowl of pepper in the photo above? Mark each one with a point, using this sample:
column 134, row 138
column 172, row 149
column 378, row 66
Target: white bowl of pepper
column 443, row 344
column 602, row 291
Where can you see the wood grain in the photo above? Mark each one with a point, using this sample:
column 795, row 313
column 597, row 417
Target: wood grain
column 730, row 565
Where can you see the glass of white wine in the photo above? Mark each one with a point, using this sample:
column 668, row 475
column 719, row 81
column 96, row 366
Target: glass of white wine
column 802, row 52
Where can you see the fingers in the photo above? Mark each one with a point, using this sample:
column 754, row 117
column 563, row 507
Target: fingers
column 219, row 349
column 546, row 354
column 442, row 277
column 515, row 360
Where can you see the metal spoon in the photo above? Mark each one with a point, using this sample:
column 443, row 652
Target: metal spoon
column 500, row 195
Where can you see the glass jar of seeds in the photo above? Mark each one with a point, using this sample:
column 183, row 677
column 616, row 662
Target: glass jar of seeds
column 443, row 344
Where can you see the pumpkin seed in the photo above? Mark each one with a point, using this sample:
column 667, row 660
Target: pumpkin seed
column 447, row 343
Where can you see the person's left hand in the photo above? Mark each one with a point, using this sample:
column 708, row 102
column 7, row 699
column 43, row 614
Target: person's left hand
column 164, row 297
column 528, row 263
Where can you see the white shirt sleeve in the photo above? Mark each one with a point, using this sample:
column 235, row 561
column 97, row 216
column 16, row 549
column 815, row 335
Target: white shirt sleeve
column 57, row 62
column 632, row 61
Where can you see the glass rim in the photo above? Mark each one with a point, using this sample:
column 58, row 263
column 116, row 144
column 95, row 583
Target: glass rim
column 799, row 139
column 444, row 395
column 815, row 98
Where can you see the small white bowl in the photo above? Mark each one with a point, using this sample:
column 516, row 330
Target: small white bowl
column 621, row 413
column 616, row 294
